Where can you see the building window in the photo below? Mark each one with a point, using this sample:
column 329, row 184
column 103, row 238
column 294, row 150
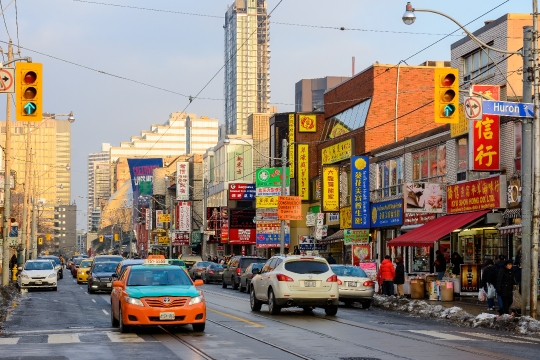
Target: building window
column 390, row 177
column 348, row 120
column 517, row 148
column 478, row 65
column 430, row 164
column 462, row 159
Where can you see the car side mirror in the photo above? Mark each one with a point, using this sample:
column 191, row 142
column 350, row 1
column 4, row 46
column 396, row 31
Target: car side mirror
column 256, row 271
column 198, row 283
column 118, row 283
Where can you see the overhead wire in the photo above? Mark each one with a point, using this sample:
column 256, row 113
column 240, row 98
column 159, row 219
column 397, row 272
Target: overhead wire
column 17, row 25
column 3, row 17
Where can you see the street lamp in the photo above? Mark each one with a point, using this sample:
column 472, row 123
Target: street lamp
column 530, row 213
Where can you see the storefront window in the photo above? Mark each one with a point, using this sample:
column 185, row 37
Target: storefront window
column 430, row 164
column 479, row 245
column 390, row 177
column 421, row 258
column 463, row 156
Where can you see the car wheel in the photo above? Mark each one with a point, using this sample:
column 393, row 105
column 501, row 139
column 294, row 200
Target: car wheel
column 273, row 308
column 78, row 282
column 348, row 303
column 331, row 310
column 122, row 327
column 223, row 283
column 366, row 304
column 308, row 310
column 255, row 304
column 199, row 327
column 114, row 322
column 61, row 274
column 90, row 291
column 203, row 280
column 234, row 284
column 241, row 288
column 55, row 288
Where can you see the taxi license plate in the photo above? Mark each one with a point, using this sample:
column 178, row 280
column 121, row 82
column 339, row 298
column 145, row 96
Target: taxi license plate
column 166, row 316
column 309, row 283
column 38, row 282
column 109, row 284
column 353, row 284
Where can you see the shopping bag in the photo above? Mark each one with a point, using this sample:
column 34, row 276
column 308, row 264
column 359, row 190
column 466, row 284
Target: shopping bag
column 481, row 295
column 491, row 293
column 516, row 299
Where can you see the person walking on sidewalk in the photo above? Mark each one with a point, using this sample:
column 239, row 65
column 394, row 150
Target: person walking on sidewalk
column 386, row 276
column 505, row 287
column 457, row 261
column 399, row 279
column 499, row 265
column 489, row 277
column 440, row 265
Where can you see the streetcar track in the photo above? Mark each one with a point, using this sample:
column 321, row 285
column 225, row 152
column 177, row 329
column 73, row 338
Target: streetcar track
column 188, row 344
column 322, row 317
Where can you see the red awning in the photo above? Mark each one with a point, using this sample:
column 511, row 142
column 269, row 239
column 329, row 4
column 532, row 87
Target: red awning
column 436, row 229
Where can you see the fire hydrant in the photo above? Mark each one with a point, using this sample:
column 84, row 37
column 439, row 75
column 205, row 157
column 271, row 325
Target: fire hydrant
column 14, row 271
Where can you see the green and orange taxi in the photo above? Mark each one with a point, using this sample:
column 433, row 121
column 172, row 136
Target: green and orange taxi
column 83, row 270
column 156, row 294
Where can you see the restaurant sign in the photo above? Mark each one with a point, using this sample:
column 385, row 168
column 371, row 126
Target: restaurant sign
column 387, row 213
column 351, row 237
column 476, row 195
column 334, row 153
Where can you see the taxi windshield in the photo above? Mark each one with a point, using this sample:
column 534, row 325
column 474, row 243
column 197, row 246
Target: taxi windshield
column 158, row 277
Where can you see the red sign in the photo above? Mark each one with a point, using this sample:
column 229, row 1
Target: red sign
column 418, row 218
column 484, row 136
column 475, row 195
column 241, row 191
column 242, row 236
column 179, row 238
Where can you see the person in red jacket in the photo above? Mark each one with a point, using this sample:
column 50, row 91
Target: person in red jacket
column 386, row 275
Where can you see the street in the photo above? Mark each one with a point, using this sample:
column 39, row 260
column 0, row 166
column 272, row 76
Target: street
column 71, row 324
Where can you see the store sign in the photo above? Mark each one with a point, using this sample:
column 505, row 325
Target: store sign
column 271, row 191
column 266, row 214
column 303, row 171
column 311, row 219
column 360, row 192
column 242, row 219
column 183, row 216
column 514, row 193
column 159, row 224
column 268, row 241
column 179, row 238
column 271, row 227
column 213, row 219
column 423, row 197
column 387, row 213
column 196, row 237
column 148, row 219
column 163, row 240
column 337, row 152
column 418, row 218
column 224, row 230
column 462, row 126
column 266, row 202
column 330, row 198
column 242, row 236
column 345, row 217
column 320, row 232
column 307, row 123
column 241, row 191
column 470, row 278
column 182, row 181
column 290, row 208
column 291, row 145
column 163, row 218
column 360, row 254
column 332, row 218
column 307, row 243
column 271, row 177
column 351, row 237
column 476, row 195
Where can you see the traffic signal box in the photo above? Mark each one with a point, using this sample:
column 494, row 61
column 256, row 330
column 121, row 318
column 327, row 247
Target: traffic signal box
column 115, row 237
column 28, row 91
column 100, row 238
column 446, row 97
column 40, row 241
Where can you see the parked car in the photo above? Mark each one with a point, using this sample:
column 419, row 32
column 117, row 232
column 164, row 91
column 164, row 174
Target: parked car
column 235, row 267
column 122, row 265
column 247, row 275
column 197, row 269
column 301, row 281
column 212, row 273
column 75, row 266
column 57, row 262
column 83, row 272
column 40, row 273
column 190, row 260
column 354, row 285
column 101, row 276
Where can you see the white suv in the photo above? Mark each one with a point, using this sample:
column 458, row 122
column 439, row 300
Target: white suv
column 302, row 281
column 38, row 274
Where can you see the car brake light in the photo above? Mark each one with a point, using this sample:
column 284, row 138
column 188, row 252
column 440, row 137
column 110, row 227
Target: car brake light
column 210, row 271
column 281, row 277
column 238, row 271
column 332, row 278
column 369, row 283
column 339, row 282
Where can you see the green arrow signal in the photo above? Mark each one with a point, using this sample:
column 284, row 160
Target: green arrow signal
column 30, row 108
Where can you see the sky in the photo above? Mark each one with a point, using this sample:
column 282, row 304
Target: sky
column 175, row 47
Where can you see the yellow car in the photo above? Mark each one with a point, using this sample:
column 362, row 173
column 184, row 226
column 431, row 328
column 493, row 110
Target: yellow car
column 83, row 270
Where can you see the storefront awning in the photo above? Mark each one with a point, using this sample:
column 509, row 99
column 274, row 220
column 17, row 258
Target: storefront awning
column 436, row 229
column 512, row 213
column 335, row 237
column 510, row 229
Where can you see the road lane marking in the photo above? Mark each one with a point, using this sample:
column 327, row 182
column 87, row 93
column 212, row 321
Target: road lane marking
column 78, row 329
column 93, row 300
column 499, row 338
column 117, row 337
column 440, row 335
column 9, row 341
column 63, row 339
column 236, row 318
column 106, row 313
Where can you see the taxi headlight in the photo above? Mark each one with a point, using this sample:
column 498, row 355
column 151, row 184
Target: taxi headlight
column 53, row 275
column 196, row 300
column 133, row 301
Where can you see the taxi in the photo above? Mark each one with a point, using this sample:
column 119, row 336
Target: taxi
column 83, row 270
column 156, row 294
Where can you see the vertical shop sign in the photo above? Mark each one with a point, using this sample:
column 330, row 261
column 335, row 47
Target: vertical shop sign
column 345, row 217
column 182, row 181
column 224, row 224
column 484, row 135
column 291, row 144
column 330, row 201
column 148, row 219
column 303, row 171
column 159, row 224
column 360, row 192
column 183, row 216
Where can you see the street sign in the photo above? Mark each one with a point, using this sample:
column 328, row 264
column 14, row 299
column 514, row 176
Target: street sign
column 473, row 107
column 7, row 75
column 507, row 108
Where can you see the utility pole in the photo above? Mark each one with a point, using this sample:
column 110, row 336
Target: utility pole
column 25, row 217
column 536, row 157
column 205, row 205
column 7, row 185
column 283, row 192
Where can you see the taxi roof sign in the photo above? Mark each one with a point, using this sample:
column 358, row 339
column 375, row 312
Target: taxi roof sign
column 157, row 261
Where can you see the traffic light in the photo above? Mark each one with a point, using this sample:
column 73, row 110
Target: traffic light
column 100, row 238
column 446, row 97
column 115, row 237
column 40, row 241
column 48, row 236
column 28, row 91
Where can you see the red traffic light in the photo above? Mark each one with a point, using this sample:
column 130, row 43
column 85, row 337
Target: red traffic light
column 449, row 80
column 30, row 77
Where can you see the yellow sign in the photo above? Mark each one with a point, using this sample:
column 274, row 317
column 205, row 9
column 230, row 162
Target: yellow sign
column 291, row 144
column 307, row 123
column 48, row 237
column 164, row 218
column 338, row 130
column 100, row 238
column 290, row 208
column 341, row 151
column 461, row 127
column 330, row 198
column 303, row 171
column 163, row 240
column 115, row 237
column 345, row 218
column 40, row 241
column 263, row 202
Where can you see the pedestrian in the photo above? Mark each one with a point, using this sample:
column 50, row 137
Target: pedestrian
column 386, row 276
column 489, row 277
column 208, row 258
column 13, row 262
column 457, row 261
column 499, row 266
column 331, row 259
column 399, row 279
column 505, row 287
column 440, row 265
column 296, row 251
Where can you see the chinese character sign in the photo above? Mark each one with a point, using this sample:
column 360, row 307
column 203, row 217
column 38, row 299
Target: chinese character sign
column 271, row 177
column 291, row 144
column 307, row 122
column 303, row 171
column 476, row 195
column 182, row 181
column 485, row 146
column 265, row 202
column 330, row 200
column 239, row 191
column 387, row 213
column 337, row 152
column 345, row 217
column 159, row 223
column 360, row 192
column 355, row 237
column 183, row 216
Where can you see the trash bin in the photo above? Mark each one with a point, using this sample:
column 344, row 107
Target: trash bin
column 418, row 287
column 433, row 292
column 447, row 291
